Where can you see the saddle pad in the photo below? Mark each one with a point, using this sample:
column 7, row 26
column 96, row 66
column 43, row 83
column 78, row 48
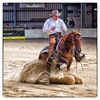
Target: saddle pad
column 45, row 49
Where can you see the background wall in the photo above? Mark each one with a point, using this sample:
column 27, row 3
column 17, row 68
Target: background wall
column 38, row 33
column 14, row 14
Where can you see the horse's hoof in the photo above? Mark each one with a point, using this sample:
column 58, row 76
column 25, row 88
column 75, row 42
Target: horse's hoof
column 83, row 56
column 58, row 66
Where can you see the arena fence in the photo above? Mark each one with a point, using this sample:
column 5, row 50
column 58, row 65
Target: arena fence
column 13, row 33
column 38, row 33
column 21, row 33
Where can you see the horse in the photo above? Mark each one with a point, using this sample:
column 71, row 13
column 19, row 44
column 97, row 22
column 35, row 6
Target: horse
column 68, row 47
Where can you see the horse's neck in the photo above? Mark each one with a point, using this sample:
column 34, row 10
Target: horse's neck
column 69, row 43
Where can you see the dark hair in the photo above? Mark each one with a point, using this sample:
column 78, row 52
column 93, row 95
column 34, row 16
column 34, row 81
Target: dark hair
column 7, row 24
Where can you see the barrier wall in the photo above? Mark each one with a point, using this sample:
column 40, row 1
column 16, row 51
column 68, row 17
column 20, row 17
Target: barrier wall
column 20, row 33
column 38, row 33
column 13, row 33
column 35, row 33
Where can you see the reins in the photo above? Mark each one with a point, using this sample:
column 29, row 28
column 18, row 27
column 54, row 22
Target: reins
column 81, row 64
column 76, row 51
column 76, row 61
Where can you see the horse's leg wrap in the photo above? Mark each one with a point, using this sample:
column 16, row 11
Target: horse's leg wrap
column 63, row 66
column 63, row 60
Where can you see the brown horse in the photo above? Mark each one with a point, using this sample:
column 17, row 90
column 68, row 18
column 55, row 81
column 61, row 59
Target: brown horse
column 68, row 47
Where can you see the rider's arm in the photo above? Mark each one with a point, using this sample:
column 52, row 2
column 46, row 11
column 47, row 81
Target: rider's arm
column 46, row 27
column 63, row 26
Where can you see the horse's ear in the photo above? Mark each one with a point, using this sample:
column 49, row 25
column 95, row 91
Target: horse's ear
column 79, row 30
column 72, row 31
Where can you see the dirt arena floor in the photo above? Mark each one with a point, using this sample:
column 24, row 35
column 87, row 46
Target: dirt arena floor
column 19, row 52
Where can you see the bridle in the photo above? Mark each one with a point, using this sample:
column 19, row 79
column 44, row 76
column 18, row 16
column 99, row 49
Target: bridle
column 77, row 52
column 75, row 40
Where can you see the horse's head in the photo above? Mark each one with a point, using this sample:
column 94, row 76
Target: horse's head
column 73, row 38
column 77, row 40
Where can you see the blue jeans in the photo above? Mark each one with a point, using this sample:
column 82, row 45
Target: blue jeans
column 71, row 27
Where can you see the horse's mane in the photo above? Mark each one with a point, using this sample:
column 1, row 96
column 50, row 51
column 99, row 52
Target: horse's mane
column 66, row 36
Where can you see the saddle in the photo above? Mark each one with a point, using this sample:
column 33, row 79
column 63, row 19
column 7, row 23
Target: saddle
column 46, row 48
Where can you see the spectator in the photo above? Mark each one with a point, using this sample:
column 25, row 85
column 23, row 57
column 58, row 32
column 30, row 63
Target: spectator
column 25, row 27
column 34, row 27
column 7, row 25
column 17, row 25
column 71, row 23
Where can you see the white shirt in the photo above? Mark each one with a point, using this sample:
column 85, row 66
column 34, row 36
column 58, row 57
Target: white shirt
column 49, row 23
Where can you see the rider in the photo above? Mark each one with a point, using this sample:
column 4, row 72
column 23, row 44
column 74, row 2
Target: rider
column 54, row 26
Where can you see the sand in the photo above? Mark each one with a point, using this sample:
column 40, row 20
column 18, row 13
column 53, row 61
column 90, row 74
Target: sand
column 17, row 53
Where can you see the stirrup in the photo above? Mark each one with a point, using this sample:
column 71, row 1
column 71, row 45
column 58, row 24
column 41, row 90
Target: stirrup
column 50, row 60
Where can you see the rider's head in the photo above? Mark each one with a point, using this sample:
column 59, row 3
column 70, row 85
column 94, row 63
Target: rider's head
column 55, row 17
column 55, row 14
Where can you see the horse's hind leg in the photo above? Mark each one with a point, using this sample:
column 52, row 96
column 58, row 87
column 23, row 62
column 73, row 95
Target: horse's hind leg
column 69, row 65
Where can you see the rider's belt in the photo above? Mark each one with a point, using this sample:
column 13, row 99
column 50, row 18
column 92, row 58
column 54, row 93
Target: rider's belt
column 57, row 33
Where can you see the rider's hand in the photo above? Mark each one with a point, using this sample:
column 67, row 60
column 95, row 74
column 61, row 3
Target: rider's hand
column 53, row 28
column 64, row 31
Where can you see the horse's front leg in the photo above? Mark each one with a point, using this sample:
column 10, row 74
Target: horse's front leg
column 69, row 65
column 78, row 57
column 62, row 59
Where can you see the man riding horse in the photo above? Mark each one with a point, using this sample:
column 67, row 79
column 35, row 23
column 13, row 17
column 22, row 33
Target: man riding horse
column 54, row 26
